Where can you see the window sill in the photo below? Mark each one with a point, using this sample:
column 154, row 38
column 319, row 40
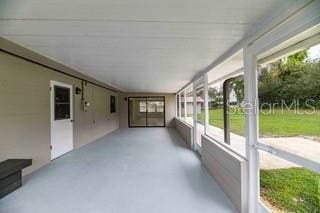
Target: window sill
column 184, row 122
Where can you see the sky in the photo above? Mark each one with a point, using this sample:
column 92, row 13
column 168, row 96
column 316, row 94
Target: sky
column 314, row 52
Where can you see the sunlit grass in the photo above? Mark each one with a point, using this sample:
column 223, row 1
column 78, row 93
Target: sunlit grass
column 278, row 123
column 292, row 190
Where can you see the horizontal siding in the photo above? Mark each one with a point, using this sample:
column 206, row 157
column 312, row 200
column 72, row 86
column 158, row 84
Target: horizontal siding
column 228, row 169
column 185, row 130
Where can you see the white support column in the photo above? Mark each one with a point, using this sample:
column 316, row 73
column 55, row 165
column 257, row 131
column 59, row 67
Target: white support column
column 185, row 104
column 179, row 105
column 206, row 106
column 195, row 110
column 251, row 108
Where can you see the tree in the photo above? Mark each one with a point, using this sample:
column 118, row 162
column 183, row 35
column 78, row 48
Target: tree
column 290, row 80
column 238, row 86
column 293, row 64
column 215, row 96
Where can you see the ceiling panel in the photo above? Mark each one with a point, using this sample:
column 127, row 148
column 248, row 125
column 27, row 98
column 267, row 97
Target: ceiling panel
column 136, row 45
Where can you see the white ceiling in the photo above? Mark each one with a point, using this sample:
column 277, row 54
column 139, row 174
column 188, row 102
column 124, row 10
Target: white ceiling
column 135, row 45
column 229, row 67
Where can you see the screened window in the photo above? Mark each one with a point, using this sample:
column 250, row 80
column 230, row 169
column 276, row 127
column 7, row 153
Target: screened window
column 289, row 103
column 289, row 127
column 178, row 106
column 226, row 114
column 288, row 186
column 199, row 113
column 189, row 105
column 200, row 103
column 215, row 105
column 61, row 103
column 182, row 100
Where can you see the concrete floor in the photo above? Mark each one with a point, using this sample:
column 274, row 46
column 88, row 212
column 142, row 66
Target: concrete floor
column 130, row 170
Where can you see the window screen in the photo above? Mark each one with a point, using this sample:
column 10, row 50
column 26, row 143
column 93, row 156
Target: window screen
column 61, row 103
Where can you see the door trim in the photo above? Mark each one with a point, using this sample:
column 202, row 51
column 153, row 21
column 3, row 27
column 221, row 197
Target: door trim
column 146, row 98
column 52, row 84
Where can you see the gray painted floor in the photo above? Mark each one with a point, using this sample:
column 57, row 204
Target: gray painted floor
column 130, row 170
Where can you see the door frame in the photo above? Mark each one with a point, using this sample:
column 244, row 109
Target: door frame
column 52, row 108
column 146, row 98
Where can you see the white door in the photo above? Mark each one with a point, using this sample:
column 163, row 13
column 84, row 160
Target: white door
column 61, row 118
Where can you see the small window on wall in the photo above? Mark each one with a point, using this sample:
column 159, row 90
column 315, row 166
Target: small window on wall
column 113, row 104
column 61, row 103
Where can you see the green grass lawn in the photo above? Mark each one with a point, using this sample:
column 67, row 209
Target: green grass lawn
column 292, row 190
column 275, row 124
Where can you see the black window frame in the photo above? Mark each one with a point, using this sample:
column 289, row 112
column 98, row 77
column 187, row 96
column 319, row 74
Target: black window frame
column 113, row 104
column 146, row 113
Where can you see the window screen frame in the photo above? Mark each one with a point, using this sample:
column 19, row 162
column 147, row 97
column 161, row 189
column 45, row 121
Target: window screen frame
column 66, row 103
column 113, row 104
